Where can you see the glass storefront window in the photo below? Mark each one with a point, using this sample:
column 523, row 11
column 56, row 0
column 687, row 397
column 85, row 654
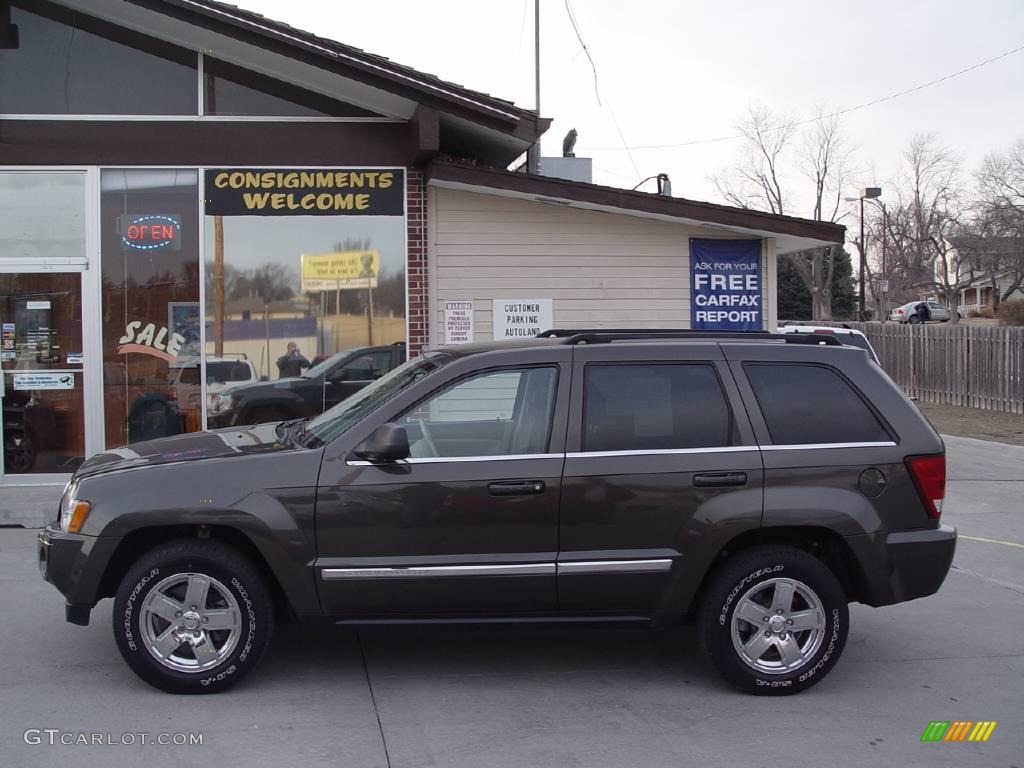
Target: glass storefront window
column 60, row 68
column 42, row 387
column 151, row 314
column 42, row 214
column 232, row 90
column 303, row 266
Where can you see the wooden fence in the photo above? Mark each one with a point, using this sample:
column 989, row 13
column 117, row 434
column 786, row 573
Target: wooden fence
column 970, row 365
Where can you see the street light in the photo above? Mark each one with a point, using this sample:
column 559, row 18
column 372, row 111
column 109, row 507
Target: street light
column 868, row 193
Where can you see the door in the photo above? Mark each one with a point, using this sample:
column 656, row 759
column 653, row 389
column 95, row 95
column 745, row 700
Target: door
column 468, row 523
column 42, row 359
column 661, row 467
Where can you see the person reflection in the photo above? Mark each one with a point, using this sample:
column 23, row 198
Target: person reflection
column 292, row 362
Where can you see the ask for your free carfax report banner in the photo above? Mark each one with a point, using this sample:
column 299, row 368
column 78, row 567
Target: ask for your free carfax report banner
column 725, row 285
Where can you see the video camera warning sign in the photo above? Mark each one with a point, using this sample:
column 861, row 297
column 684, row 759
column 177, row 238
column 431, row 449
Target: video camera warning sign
column 725, row 285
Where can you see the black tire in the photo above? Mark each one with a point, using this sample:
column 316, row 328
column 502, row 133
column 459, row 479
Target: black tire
column 234, row 573
column 740, row 576
column 915, row 320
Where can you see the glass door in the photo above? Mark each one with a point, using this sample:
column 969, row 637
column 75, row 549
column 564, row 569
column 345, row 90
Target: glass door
column 43, row 383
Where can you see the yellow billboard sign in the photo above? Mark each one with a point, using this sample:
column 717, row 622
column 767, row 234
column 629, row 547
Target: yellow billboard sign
column 343, row 269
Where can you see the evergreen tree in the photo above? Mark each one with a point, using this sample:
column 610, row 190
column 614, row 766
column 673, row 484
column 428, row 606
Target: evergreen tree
column 843, row 294
column 795, row 299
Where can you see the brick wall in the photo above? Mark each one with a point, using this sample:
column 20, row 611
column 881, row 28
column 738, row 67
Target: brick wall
column 416, row 261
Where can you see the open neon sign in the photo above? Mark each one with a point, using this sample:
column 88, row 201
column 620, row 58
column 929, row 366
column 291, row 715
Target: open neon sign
column 150, row 232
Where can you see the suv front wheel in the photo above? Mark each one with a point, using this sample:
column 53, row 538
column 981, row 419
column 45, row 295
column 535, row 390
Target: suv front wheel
column 192, row 616
column 773, row 620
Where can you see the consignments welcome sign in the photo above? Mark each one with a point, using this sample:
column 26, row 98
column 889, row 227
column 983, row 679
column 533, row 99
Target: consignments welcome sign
column 305, row 192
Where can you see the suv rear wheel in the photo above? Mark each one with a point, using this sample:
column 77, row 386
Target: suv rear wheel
column 192, row 616
column 773, row 620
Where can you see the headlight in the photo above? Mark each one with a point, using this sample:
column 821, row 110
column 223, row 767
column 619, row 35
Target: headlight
column 73, row 511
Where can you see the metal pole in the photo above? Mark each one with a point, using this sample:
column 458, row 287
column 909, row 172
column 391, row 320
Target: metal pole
column 536, row 55
column 533, row 153
column 218, row 286
column 369, row 312
column 885, row 276
column 863, row 257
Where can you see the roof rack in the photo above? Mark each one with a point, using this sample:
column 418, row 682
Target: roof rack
column 606, row 335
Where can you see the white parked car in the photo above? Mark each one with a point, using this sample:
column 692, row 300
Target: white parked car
column 849, row 336
column 221, row 372
column 915, row 312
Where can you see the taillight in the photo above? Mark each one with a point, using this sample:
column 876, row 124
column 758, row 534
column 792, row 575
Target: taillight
column 929, row 474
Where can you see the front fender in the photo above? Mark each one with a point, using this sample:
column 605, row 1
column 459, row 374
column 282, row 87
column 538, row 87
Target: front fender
column 270, row 499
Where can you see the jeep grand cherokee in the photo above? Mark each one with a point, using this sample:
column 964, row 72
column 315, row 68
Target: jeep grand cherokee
column 758, row 483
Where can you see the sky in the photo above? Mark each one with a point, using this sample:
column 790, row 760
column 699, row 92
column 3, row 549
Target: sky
column 671, row 71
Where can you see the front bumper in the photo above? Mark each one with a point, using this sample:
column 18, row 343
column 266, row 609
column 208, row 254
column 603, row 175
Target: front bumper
column 903, row 565
column 75, row 564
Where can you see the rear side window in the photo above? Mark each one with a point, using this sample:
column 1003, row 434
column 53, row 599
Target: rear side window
column 810, row 404
column 642, row 407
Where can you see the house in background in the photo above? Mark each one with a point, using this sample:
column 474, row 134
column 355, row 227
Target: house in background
column 989, row 270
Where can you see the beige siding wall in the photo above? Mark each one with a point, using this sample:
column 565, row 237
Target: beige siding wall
column 601, row 269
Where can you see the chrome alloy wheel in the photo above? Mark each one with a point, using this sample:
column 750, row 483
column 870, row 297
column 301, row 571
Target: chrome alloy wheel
column 190, row 622
column 778, row 626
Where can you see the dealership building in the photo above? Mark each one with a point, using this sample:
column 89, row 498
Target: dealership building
column 187, row 187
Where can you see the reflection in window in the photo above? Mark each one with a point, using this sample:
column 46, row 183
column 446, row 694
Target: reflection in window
column 60, row 69
column 42, row 214
column 498, row 413
column 256, row 304
column 151, row 314
column 231, row 90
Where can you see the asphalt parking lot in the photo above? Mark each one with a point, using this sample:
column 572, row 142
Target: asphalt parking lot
column 553, row 697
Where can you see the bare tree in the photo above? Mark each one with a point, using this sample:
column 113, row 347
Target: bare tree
column 929, row 210
column 775, row 150
column 1000, row 219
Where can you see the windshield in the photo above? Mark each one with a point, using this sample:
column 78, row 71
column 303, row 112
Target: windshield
column 225, row 371
column 336, row 420
column 325, row 365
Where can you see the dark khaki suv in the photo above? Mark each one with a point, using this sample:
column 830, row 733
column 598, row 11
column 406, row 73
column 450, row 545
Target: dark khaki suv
column 758, row 483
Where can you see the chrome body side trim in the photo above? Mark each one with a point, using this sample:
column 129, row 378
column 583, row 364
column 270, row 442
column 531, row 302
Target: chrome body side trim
column 660, row 565
column 663, row 451
column 452, row 459
column 433, row 571
column 819, row 446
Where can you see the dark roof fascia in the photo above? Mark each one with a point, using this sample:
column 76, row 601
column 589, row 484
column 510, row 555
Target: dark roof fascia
column 643, row 202
column 351, row 62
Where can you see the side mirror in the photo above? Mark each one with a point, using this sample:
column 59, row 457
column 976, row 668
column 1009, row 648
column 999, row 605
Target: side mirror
column 388, row 443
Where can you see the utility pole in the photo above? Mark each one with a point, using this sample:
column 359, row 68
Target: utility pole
column 533, row 153
column 863, row 259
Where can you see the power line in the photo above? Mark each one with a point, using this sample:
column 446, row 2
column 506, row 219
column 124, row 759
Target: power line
column 837, row 113
column 593, row 66
column 597, row 91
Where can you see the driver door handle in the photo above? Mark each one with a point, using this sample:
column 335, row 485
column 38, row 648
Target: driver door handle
column 719, row 479
column 516, row 488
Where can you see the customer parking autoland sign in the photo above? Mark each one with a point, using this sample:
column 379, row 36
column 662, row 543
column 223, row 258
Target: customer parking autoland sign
column 521, row 318
column 726, row 285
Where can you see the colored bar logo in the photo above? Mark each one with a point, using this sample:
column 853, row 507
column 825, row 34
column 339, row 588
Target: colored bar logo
column 959, row 730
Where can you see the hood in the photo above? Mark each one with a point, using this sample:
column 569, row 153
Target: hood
column 216, row 444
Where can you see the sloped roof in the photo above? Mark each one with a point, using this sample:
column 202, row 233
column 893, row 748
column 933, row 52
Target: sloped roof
column 791, row 233
column 426, row 88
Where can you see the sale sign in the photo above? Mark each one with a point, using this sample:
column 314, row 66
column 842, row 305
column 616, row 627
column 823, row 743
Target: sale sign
column 726, row 285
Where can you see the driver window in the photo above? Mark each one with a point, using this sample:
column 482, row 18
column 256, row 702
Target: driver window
column 364, row 368
column 499, row 413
